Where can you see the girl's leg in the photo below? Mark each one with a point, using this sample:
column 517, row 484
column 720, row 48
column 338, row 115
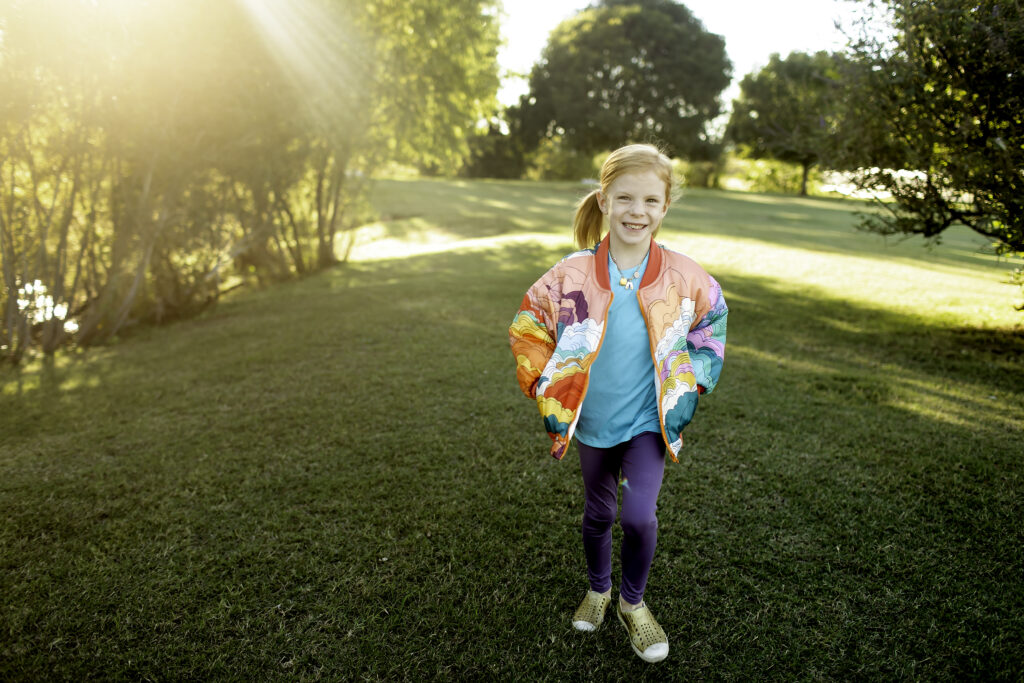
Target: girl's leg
column 643, row 466
column 600, row 467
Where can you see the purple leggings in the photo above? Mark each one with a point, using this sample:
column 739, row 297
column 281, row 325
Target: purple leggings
column 641, row 461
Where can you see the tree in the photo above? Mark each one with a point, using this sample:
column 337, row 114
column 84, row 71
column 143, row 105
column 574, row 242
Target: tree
column 944, row 99
column 785, row 111
column 436, row 76
column 627, row 70
column 152, row 152
column 494, row 154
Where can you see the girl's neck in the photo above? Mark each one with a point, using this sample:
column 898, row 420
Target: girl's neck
column 630, row 256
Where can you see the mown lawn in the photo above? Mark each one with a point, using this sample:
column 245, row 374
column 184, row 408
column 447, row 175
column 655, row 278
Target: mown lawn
column 338, row 478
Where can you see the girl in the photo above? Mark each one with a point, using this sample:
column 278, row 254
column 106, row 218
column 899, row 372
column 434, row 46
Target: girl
column 590, row 337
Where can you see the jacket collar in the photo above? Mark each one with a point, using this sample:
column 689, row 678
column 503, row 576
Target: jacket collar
column 601, row 263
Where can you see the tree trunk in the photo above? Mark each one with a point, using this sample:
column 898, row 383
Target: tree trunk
column 53, row 327
column 323, row 254
column 13, row 327
column 294, row 248
column 101, row 321
column 803, row 180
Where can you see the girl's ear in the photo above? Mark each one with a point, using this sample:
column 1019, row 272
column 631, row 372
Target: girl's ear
column 600, row 201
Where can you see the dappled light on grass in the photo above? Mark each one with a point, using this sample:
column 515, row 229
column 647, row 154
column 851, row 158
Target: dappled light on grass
column 427, row 217
column 430, row 241
column 953, row 400
column 468, row 210
column 956, row 294
column 784, row 201
column 781, row 360
column 959, row 401
column 55, row 377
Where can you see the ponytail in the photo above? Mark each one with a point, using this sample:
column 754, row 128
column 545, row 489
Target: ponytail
column 589, row 219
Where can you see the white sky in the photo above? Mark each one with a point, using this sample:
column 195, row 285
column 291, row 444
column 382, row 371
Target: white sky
column 753, row 30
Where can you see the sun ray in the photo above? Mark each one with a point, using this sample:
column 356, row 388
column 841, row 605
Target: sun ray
column 321, row 51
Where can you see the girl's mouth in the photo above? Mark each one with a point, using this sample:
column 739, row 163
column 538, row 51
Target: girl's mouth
column 634, row 226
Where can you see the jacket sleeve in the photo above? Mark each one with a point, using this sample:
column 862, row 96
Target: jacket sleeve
column 532, row 336
column 706, row 340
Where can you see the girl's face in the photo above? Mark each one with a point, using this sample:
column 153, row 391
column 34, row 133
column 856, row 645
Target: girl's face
column 635, row 205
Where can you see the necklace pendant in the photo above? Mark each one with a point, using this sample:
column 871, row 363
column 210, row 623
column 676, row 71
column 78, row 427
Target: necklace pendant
column 623, row 282
column 629, row 284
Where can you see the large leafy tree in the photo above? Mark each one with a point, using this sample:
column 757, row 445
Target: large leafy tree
column 627, row 70
column 943, row 99
column 785, row 111
column 435, row 76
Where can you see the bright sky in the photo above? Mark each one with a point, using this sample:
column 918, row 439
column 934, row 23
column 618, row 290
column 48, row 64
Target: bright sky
column 753, row 30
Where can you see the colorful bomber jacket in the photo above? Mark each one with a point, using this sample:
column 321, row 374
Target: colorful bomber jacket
column 558, row 331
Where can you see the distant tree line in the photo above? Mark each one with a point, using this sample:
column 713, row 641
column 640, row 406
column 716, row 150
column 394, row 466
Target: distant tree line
column 153, row 154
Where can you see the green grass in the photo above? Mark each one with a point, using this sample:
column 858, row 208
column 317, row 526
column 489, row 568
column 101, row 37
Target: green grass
column 338, row 478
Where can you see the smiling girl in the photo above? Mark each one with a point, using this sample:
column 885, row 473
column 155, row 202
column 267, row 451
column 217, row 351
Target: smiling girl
column 615, row 343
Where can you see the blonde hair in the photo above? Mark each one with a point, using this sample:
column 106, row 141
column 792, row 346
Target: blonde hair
column 589, row 220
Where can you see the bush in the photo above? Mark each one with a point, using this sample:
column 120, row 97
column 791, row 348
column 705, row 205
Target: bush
column 494, row 154
column 704, row 174
column 766, row 175
column 553, row 160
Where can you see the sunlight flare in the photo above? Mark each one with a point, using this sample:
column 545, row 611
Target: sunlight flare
column 321, row 52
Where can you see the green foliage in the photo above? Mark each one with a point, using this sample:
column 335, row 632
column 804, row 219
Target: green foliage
column 435, row 75
column 156, row 154
column 494, row 154
column 786, row 111
column 704, row 174
column 771, row 175
column 945, row 100
column 554, row 159
column 1017, row 278
column 626, row 71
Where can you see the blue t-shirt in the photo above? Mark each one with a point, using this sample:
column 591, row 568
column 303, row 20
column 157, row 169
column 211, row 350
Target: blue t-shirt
column 621, row 399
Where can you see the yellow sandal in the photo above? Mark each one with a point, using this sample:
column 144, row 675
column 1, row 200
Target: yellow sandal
column 646, row 636
column 590, row 613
